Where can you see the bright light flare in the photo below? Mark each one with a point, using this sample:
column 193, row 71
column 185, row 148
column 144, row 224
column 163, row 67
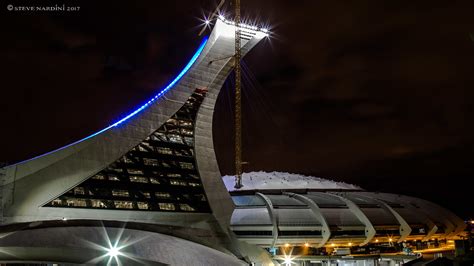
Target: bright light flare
column 114, row 252
column 288, row 261
column 207, row 21
column 221, row 17
column 288, row 257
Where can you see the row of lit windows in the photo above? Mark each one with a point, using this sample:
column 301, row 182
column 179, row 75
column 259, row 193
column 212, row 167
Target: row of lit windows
column 175, row 137
column 142, row 179
column 151, row 162
column 182, row 131
column 155, row 162
column 121, row 204
column 125, row 193
column 182, row 123
column 184, row 183
column 147, row 147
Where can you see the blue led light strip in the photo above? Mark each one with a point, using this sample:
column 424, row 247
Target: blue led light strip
column 141, row 108
column 167, row 88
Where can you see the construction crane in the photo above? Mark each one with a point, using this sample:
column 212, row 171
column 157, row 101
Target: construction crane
column 238, row 100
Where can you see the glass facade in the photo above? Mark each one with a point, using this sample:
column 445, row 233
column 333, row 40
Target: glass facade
column 159, row 174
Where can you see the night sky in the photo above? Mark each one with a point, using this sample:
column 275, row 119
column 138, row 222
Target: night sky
column 374, row 93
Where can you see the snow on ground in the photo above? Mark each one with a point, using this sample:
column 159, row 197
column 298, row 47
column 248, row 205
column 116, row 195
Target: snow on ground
column 281, row 180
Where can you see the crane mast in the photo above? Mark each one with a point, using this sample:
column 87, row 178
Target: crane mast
column 238, row 100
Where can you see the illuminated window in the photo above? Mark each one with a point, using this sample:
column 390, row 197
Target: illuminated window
column 178, row 183
column 98, row 204
column 185, row 165
column 135, row 172
column 138, row 179
column 174, row 130
column 120, row 193
column 180, row 153
column 76, row 203
column 162, row 194
column 187, row 132
column 147, row 146
column 119, row 204
column 113, row 178
column 142, row 205
column 99, row 177
column 185, row 123
column 174, row 175
column 164, row 150
column 146, row 195
column 154, row 180
column 175, row 138
column 166, row 206
column 127, row 160
column 158, row 136
column 189, row 141
column 186, row 207
column 57, row 202
column 150, row 162
column 194, row 184
column 79, row 191
column 172, row 121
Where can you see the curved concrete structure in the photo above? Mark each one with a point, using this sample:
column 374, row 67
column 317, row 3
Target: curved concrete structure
column 155, row 166
column 369, row 228
column 329, row 218
column 325, row 231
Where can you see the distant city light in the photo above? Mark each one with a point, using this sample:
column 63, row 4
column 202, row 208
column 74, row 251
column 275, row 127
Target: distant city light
column 287, row 245
column 472, row 222
column 264, row 30
column 350, row 244
column 390, row 239
column 376, row 240
column 207, row 21
column 221, row 17
column 332, row 245
column 306, row 244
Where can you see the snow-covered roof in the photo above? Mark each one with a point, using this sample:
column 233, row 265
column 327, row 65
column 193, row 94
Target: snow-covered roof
column 281, row 180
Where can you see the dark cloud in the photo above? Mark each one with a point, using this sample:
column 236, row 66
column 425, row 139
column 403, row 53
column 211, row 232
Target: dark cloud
column 370, row 92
